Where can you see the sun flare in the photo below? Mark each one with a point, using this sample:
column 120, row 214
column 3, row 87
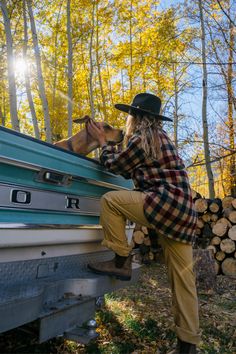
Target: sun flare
column 20, row 67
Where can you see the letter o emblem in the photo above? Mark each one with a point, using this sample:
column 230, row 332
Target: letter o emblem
column 20, row 197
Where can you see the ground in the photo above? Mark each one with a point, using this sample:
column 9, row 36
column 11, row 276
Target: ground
column 138, row 320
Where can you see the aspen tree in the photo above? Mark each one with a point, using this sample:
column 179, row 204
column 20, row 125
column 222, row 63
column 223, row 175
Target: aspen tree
column 41, row 84
column 10, row 67
column 204, row 106
column 70, row 69
column 27, row 76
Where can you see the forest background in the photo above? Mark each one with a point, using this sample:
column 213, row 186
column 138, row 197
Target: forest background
column 62, row 59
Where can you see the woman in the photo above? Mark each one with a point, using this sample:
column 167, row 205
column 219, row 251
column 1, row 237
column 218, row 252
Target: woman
column 161, row 200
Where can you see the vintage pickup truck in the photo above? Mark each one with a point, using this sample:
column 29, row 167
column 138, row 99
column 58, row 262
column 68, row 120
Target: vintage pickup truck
column 49, row 231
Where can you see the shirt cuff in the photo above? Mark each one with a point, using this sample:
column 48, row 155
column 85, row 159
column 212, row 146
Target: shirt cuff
column 108, row 147
column 104, row 146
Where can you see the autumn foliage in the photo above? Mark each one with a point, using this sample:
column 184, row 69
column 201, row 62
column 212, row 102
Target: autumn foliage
column 60, row 60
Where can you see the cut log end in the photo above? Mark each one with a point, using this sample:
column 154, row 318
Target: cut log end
column 233, row 203
column 200, row 223
column 220, row 229
column 228, row 266
column 220, row 256
column 144, row 229
column 215, row 241
column 227, row 245
column 227, row 202
column 215, row 205
column 201, row 205
column 232, row 233
column 232, row 216
column 138, row 237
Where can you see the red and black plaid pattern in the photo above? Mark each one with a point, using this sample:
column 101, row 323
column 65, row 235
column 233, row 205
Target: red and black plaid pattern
column 168, row 204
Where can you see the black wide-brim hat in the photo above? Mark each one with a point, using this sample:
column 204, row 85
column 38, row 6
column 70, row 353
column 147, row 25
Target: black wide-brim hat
column 144, row 103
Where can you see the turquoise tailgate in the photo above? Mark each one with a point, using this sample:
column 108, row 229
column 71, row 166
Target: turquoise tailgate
column 42, row 184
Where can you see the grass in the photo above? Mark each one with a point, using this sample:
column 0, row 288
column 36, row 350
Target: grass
column 138, row 320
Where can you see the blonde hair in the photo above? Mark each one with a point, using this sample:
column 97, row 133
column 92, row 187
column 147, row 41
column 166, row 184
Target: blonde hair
column 148, row 129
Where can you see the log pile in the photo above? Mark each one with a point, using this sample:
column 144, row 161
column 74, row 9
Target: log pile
column 145, row 241
column 216, row 231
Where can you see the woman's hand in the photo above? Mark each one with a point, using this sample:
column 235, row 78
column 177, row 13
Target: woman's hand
column 97, row 132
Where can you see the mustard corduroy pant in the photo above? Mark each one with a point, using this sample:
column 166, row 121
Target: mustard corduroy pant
column 116, row 208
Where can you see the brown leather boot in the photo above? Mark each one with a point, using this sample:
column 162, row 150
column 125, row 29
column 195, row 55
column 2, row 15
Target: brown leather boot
column 120, row 267
column 184, row 348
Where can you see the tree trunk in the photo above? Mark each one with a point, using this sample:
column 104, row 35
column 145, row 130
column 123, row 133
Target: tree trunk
column 122, row 85
column 227, row 75
column 70, row 69
column 144, row 64
column 85, row 69
column 55, row 71
column 230, row 108
column 176, row 107
column 109, row 79
column 27, row 77
column 99, row 69
column 91, row 64
column 131, row 48
column 40, row 75
column 10, row 67
column 204, row 108
column 99, row 66
column 1, row 117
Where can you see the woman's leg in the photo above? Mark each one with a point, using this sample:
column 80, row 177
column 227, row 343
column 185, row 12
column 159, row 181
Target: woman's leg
column 116, row 208
column 179, row 261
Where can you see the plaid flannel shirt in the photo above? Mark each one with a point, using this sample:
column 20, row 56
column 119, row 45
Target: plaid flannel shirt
column 168, row 203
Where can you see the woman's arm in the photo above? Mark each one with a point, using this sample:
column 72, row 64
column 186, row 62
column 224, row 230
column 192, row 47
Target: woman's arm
column 124, row 162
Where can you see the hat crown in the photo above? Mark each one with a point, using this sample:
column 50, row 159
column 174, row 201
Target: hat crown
column 144, row 104
column 147, row 102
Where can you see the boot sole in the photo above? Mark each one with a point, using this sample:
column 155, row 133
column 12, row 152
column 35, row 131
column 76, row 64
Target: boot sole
column 119, row 277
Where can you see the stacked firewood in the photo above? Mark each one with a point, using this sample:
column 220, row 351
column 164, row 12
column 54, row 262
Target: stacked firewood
column 145, row 244
column 216, row 230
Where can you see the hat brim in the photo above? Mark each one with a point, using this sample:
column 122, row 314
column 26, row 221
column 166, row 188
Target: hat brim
column 129, row 109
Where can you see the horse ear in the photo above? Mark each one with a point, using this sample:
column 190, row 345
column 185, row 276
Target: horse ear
column 85, row 119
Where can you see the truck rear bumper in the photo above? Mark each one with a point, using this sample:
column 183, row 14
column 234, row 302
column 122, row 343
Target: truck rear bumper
column 59, row 302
